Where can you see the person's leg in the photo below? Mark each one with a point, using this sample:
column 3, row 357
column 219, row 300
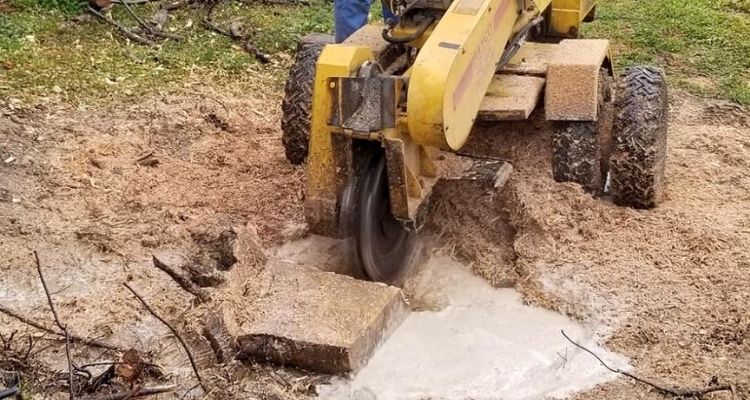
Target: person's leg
column 349, row 15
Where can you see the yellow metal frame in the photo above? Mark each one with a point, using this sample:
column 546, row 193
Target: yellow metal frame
column 322, row 170
column 567, row 15
column 451, row 74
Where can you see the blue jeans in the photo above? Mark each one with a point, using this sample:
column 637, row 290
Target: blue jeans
column 350, row 15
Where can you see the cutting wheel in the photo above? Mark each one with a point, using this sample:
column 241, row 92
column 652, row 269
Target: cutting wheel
column 379, row 245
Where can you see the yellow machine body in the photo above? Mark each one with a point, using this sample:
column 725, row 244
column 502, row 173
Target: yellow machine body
column 445, row 85
column 451, row 74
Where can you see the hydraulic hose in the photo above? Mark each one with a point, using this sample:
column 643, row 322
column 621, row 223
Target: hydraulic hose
column 421, row 28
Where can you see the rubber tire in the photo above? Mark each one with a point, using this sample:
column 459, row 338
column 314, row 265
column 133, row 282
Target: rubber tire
column 639, row 149
column 579, row 148
column 296, row 108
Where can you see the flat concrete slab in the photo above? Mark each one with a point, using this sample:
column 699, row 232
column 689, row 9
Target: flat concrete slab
column 317, row 320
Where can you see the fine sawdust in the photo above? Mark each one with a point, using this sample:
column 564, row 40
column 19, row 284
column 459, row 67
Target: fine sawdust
column 669, row 287
column 99, row 190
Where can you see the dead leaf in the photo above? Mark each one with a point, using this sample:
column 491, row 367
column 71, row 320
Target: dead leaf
column 129, row 367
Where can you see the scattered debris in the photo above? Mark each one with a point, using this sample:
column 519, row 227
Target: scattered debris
column 673, row 390
column 121, row 28
column 130, row 367
column 174, row 331
column 73, row 337
column 147, row 160
column 235, row 32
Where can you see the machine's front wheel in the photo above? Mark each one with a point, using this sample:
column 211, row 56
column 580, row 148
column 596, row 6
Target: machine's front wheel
column 380, row 246
column 297, row 105
column 639, row 148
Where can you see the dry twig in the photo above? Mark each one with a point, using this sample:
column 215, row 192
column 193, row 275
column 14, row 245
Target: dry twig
column 182, row 280
column 234, row 33
column 125, row 31
column 174, row 331
column 132, row 1
column 668, row 390
column 148, row 27
column 59, row 325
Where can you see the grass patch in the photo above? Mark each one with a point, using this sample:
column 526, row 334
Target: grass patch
column 67, row 7
column 45, row 53
column 702, row 44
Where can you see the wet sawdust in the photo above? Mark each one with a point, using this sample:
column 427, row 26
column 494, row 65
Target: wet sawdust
column 670, row 287
column 98, row 189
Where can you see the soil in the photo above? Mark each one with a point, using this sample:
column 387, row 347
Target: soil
column 98, row 190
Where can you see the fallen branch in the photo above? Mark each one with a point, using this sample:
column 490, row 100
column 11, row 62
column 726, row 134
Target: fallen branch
column 59, row 325
column 234, row 33
column 73, row 337
column 125, row 31
column 151, row 30
column 182, row 280
column 174, row 331
column 132, row 1
column 673, row 390
column 134, row 393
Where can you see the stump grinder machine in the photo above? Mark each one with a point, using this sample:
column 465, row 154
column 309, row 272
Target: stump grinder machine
column 383, row 116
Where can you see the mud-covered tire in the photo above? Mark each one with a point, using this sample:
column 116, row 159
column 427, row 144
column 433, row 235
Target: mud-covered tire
column 297, row 105
column 639, row 150
column 579, row 147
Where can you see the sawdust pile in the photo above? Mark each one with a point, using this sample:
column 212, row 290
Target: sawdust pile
column 98, row 190
column 669, row 288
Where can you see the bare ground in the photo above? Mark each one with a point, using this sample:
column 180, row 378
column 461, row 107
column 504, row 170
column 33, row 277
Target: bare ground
column 669, row 288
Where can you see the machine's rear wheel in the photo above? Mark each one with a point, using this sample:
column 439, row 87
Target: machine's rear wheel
column 297, row 105
column 639, row 147
column 380, row 245
column 579, row 148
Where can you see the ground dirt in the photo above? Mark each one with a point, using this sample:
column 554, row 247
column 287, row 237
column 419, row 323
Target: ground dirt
column 97, row 190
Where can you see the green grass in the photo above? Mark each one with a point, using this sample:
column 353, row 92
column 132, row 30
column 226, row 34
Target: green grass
column 703, row 44
column 45, row 53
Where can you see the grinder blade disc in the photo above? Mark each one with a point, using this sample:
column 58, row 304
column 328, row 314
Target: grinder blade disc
column 381, row 246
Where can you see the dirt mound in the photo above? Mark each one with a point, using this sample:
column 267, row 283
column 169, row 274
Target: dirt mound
column 97, row 191
column 667, row 287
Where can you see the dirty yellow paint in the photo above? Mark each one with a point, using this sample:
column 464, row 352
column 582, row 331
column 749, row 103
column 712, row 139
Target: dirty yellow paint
column 453, row 70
